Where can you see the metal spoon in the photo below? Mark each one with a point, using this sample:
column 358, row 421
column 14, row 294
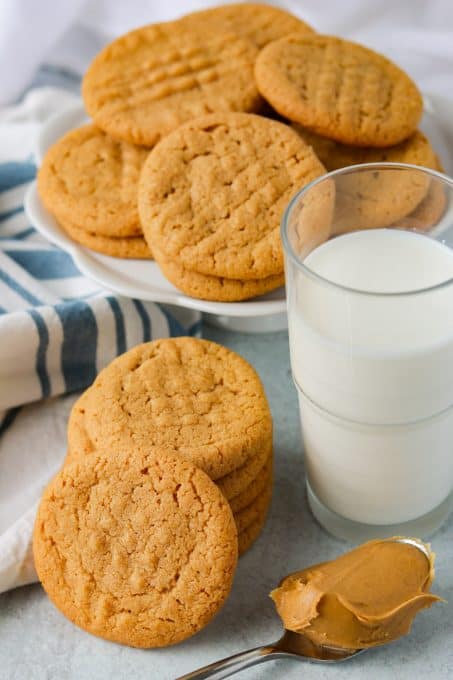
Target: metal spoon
column 291, row 645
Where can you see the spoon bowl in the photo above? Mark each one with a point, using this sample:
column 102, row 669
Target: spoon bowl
column 290, row 645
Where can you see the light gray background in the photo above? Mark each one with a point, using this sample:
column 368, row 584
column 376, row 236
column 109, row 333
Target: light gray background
column 37, row 642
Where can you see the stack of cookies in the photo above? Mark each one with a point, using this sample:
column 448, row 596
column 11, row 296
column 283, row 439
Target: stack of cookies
column 211, row 197
column 89, row 181
column 186, row 163
column 354, row 106
column 182, row 395
column 168, row 477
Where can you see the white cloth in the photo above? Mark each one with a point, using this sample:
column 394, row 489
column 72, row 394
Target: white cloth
column 57, row 331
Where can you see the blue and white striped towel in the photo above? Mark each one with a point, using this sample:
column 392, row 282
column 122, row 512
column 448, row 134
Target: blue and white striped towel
column 57, row 331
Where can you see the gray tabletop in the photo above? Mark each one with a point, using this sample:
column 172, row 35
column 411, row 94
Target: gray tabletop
column 37, row 642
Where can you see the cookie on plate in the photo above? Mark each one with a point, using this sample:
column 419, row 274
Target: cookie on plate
column 129, row 247
column 416, row 150
column 256, row 22
column 140, row 550
column 215, row 288
column 147, row 82
column 376, row 198
column 339, row 89
column 176, row 393
column 428, row 212
column 212, row 194
column 89, row 180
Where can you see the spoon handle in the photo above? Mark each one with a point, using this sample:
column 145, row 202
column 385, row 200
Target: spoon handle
column 235, row 664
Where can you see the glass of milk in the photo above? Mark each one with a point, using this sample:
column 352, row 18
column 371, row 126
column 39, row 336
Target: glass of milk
column 369, row 276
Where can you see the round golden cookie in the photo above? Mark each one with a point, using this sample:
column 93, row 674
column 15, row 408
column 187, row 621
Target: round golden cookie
column 254, row 489
column 140, row 550
column 130, row 247
column 339, row 89
column 428, row 212
column 177, row 393
column 147, row 82
column 232, row 485
column 256, row 510
column 258, row 23
column 416, row 150
column 248, row 536
column 372, row 199
column 90, row 180
column 377, row 197
column 215, row 288
column 212, row 194
column 237, row 481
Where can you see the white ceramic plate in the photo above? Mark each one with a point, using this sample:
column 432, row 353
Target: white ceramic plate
column 142, row 279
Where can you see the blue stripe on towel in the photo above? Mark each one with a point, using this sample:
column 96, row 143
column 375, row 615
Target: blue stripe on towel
column 175, row 328
column 10, row 213
column 119, row 325
column 41, row 368
column 144, row 316
column 195, row 329
column 14, row 173
column 21, row 235
column 45, row 264
column 78, row 353
column 20, row 290
column 9, row 419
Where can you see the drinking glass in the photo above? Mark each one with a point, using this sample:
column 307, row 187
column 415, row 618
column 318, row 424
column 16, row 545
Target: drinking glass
column 369, row 279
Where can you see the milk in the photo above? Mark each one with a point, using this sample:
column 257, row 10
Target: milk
column 372, row 356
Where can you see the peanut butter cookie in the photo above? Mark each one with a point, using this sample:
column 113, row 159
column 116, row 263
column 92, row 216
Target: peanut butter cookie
column 261, row 482
column 256, row 510
column 239, row 479
column 147, row 82
column 178, row 393
column 248, row 536
column 377, row 197
column 416, row 149
column 215, row 288
column 134, row 247
column 90, row 181
column 428, row 212
column 140, row 550
column 255, row 22
column 339, row 89
column 212, row 194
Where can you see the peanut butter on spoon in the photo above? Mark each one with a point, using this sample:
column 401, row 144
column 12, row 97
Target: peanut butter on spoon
column 367, row 597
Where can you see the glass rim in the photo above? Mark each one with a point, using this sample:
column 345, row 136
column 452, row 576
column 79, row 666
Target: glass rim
column 289, row 251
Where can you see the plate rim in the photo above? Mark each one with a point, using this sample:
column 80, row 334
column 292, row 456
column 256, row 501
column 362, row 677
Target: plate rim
column 88, row 264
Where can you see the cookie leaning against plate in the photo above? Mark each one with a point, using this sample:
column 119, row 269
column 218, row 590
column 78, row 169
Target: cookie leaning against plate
column 149, row 81
column 183, row 394
column 212, row 194
column 140, row 550
column 90, row 180
column 255, row 22
column 339, row 89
